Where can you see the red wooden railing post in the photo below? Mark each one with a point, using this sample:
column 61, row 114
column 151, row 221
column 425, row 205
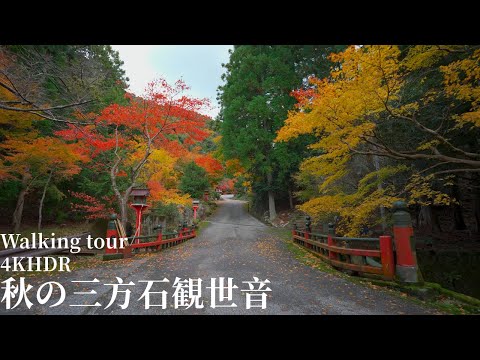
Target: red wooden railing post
column 159, row 228
column 386, row 256
column 112, row 233
column 406, row 257
column 126, row 251
column 331, row 233
column 306, row 236
column 308, row 230
column 180, row 232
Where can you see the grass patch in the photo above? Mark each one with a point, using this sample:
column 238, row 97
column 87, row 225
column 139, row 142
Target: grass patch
column 201, row 226
column 433, row 295
column 204, row 223
column 243, row 197
column 302, row 254
column 310, row 259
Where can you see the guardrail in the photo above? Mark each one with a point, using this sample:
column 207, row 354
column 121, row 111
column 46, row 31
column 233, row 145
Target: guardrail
column 380, row 256
column 339, row 252
column 163, row 240
column 160, row 241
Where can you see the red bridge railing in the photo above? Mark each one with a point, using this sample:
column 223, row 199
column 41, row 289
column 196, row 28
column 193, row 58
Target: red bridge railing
column 390, row 259
column 163, row 240
column 160, row 240
column 341, row 253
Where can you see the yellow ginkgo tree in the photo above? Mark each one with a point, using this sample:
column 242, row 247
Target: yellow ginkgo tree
column 383, row 114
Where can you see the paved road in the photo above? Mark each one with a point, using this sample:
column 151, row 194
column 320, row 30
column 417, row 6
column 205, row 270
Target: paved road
column 234, row 245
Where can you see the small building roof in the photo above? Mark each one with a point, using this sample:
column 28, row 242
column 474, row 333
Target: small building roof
column 140, row 192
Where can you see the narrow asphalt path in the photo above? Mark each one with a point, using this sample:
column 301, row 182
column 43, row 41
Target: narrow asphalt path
column 234, row 245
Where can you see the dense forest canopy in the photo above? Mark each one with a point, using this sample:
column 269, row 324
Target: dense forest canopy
column 74, row 142
column 337, row 132
column 351, row 129
column 255, row 102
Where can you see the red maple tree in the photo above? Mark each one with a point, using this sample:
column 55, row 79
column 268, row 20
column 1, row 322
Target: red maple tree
column 124, row 136
column 90, row 206
column 212, row 166
column 227, row 186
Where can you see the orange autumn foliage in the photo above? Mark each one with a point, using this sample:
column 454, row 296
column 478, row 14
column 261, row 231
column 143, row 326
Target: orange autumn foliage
column 161, row 119
column 212, row 166
column 234, row 168
column 41, row 155
column 227, row 185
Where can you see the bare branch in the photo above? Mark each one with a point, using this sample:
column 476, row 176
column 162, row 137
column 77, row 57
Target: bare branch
column 455, row 171
column 432, row 167
column 439, row 47
column 430, row 131
column 57, row 119
column 386, row 151
column 44, row 109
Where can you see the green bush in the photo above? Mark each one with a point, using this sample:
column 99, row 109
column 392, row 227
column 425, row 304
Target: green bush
column 194, row 180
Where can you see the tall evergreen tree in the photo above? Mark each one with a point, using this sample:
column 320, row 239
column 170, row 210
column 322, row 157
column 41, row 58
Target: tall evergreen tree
column 194, row 180
column 255, row 102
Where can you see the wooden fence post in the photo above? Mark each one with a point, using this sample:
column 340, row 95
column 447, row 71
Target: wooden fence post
column 386, row 255
column 184, row 230
column 308, row 230
column 180, row 233
column 331, row 242
column 159, row 228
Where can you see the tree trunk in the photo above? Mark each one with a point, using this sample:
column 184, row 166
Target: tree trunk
column 123, row 204
column 17, row 214
column 290, row 198
column 40, row 208
column 122, row 199
column 457, row 210
column 476, row 207
column 427, row 221
column 458, row 218
column 376, row 163
column 271, row 198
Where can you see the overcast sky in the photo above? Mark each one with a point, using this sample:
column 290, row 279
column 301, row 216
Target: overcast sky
column 198, row 65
